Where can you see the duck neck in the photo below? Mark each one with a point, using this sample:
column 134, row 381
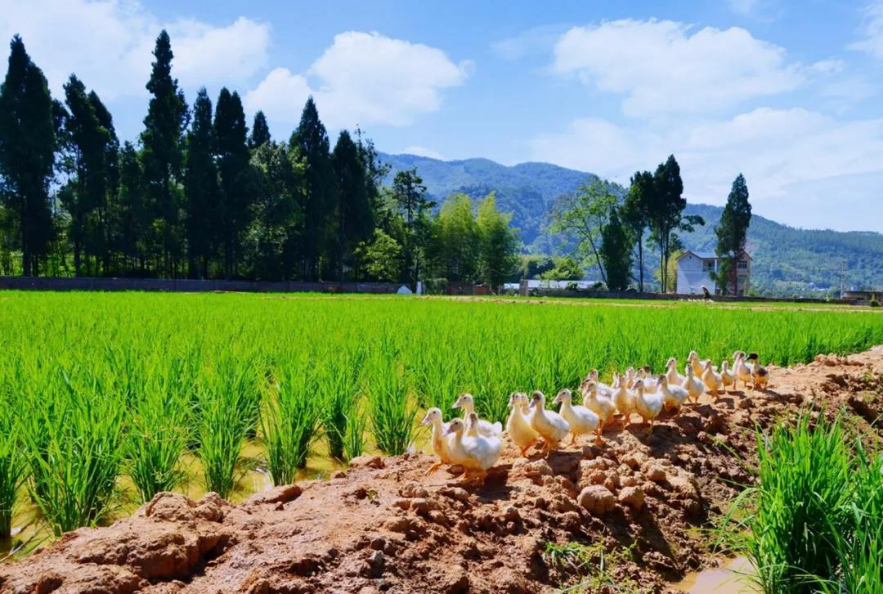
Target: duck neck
column 468, row 409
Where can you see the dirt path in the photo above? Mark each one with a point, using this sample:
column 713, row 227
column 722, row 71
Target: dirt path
column 385, row 526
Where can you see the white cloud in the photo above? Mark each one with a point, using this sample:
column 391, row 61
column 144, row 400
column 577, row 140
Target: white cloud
column 787, row 155
column 666, row 67
column 761, row 10
column 422, row 151
column 108, row 44
column 362, row 78
column 871, row 31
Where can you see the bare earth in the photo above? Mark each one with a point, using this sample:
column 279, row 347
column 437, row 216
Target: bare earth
column 385, row 526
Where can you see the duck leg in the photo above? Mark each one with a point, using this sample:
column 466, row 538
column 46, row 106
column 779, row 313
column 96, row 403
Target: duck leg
column 598, row 439
column 434, row 467
column 650, row 428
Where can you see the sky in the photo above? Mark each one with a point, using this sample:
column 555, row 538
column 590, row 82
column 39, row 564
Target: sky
column 787, row 93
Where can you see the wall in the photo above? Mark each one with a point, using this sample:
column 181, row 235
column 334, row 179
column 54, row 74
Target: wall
column 691, row 276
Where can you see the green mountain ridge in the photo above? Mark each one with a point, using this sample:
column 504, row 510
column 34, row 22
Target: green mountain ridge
column 787, row 260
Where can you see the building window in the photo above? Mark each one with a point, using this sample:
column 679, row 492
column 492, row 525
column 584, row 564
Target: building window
column 707, row 265
column 742, row 265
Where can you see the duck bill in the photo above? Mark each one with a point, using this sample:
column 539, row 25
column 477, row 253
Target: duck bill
column 426, row 421
column 456, row 404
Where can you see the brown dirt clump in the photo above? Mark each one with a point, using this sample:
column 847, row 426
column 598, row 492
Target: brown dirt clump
column 383, row 525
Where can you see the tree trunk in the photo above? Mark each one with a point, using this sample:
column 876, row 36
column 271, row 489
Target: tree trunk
column 641, row 262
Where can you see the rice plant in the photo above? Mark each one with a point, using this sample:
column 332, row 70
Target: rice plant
column 390, row 409
column 12, row 468
column 290, row 420
column 354, row 440
column 228, row 401
column 74, row 446
column 337, row 390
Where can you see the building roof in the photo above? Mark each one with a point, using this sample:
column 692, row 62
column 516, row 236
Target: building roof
column 707, row 255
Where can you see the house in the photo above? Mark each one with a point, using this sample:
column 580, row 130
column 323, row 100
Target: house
column 864, row 297
column 694, row 272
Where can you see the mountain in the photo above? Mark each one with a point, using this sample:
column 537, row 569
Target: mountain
column 787, row 260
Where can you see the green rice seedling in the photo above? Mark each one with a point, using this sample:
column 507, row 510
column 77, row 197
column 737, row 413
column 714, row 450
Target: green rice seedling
column 337, row 390
column 12, row 468
column 158, row 436
column 390, row 410
column 290, row 420
column 801, row 507
column 354, row 442
column 227, row 411
column 74, row 445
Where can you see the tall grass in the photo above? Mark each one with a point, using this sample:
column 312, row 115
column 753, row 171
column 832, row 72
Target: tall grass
column 338, row 390
column 391, row 410
column 290, row 420
column 228, row 402
column 74, row 448
column 12, row 468
column 814, row 520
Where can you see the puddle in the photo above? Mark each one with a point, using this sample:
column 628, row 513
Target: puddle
column 728, row 578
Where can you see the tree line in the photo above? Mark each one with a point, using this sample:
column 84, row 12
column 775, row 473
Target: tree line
column 202, row 195
column 608, row 227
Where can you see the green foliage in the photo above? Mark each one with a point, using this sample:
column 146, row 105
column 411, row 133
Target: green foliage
column 732, row 233
column 498, row 243
column 566, row 268
column 260, row 131
column 413, row 206
column 455, row 247
column 338, row 391
column 616, row 253
column 355, row 216
column 591, row 567
column 380, row 260
column 201, row 187
column 391, row 412
column 12, row 467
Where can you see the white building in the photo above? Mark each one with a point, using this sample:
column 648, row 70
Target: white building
column 694, row 270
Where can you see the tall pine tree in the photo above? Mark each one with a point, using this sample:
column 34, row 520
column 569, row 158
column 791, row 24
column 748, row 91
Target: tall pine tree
column 616, row 251
column 232, row 157
column 163, row 154
column 355, row 218
column 133, row 211
column 409, row 194
column 27, row 155
column 200, row 188
column 110, row 168
column 260, row 132
column 732, row 233
column 310, row 139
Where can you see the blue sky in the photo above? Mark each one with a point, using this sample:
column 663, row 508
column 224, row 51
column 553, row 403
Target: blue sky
column 787, row 93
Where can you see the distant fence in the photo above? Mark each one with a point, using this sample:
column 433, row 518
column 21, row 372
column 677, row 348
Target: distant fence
column 524, row 290
column 23, row 283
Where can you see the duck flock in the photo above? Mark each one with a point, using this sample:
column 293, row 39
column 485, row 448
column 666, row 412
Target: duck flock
column 475, row 443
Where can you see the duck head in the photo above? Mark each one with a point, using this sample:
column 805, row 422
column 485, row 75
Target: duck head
column 464, row 401
column 692, row 356
column 563, row 396
column 432, row 415
column 672, row 362
column 708, row 365
column 639, row 386
column 455, row 426
column 537, row 400
column 752, row 357
column 662, row 380
column 472, row 423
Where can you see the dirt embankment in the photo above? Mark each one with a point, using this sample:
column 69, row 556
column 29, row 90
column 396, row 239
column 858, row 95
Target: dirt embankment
column 385, row 526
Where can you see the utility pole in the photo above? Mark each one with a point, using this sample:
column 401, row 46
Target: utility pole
column 842, row 277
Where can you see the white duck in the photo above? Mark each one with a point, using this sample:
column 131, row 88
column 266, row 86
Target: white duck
column 728, row 378
column 602, row 388
column 547, row 423
column 741, row 369
column 440, row 443
column 674, row 378
column 482, row 451
column 673, row 396
column 647, row 405
column 693, row 384
column 630, row 378
column 697, row 363
column 518, row 426
column 485, row 428
column 624, row 400
column 582, row 421
column 712, row 379
column 600, row 405
column 459, row 453
column 645, row 374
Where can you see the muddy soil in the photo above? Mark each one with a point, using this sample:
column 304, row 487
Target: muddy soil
column 384, row 525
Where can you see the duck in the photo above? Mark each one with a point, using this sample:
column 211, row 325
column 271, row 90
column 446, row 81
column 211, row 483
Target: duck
column 647, row 405
column 624, row 400
column 602, row 388
column 760, row 376
column 697, row 363
column 712, row 379
column 645, row 374
column 582, row 420
column 482, row 451
column 485, row 428
column 728, row 378
column 673, row 396
column 463, row 456
column 674, row 378
column 440, row 443
column 692, row 384
column 741, row 369
column 518, row 426
column 547, row 423
column 600, row 405
column 630, row 378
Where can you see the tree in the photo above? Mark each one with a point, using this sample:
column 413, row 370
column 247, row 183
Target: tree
column 311, row 140
column 409, row 196
column 665, row 213
column 581, row 217
column 27, row 155
column 355, row 217
column 163, row 156
column 455, row 240
column 260, row 131
column 565, row 268
column 635, row 215
column 732, row 233
column 375, row 172
column 616, row 252
column 111, row 172
column 498, row 253
column 201, row 188
column 381, row 259
column 133, row 211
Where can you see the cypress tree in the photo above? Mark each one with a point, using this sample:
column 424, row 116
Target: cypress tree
column 232, row 157
column 310, row 139
column 414, row 206
column 616, row 253
column 162, row 139
column 27, row 154
column 133, row 211
column 355, row 218
column 200, row 187
column 111, row 174
column 260, row 132
column 732, row 233
column 635, row 215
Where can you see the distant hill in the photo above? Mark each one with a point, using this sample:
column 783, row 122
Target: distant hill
column 787, row 261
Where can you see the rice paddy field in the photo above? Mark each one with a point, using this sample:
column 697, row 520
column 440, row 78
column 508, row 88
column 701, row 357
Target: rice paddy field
column 109, row 398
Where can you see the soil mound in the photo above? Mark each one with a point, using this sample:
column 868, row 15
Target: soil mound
column 384, row 525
